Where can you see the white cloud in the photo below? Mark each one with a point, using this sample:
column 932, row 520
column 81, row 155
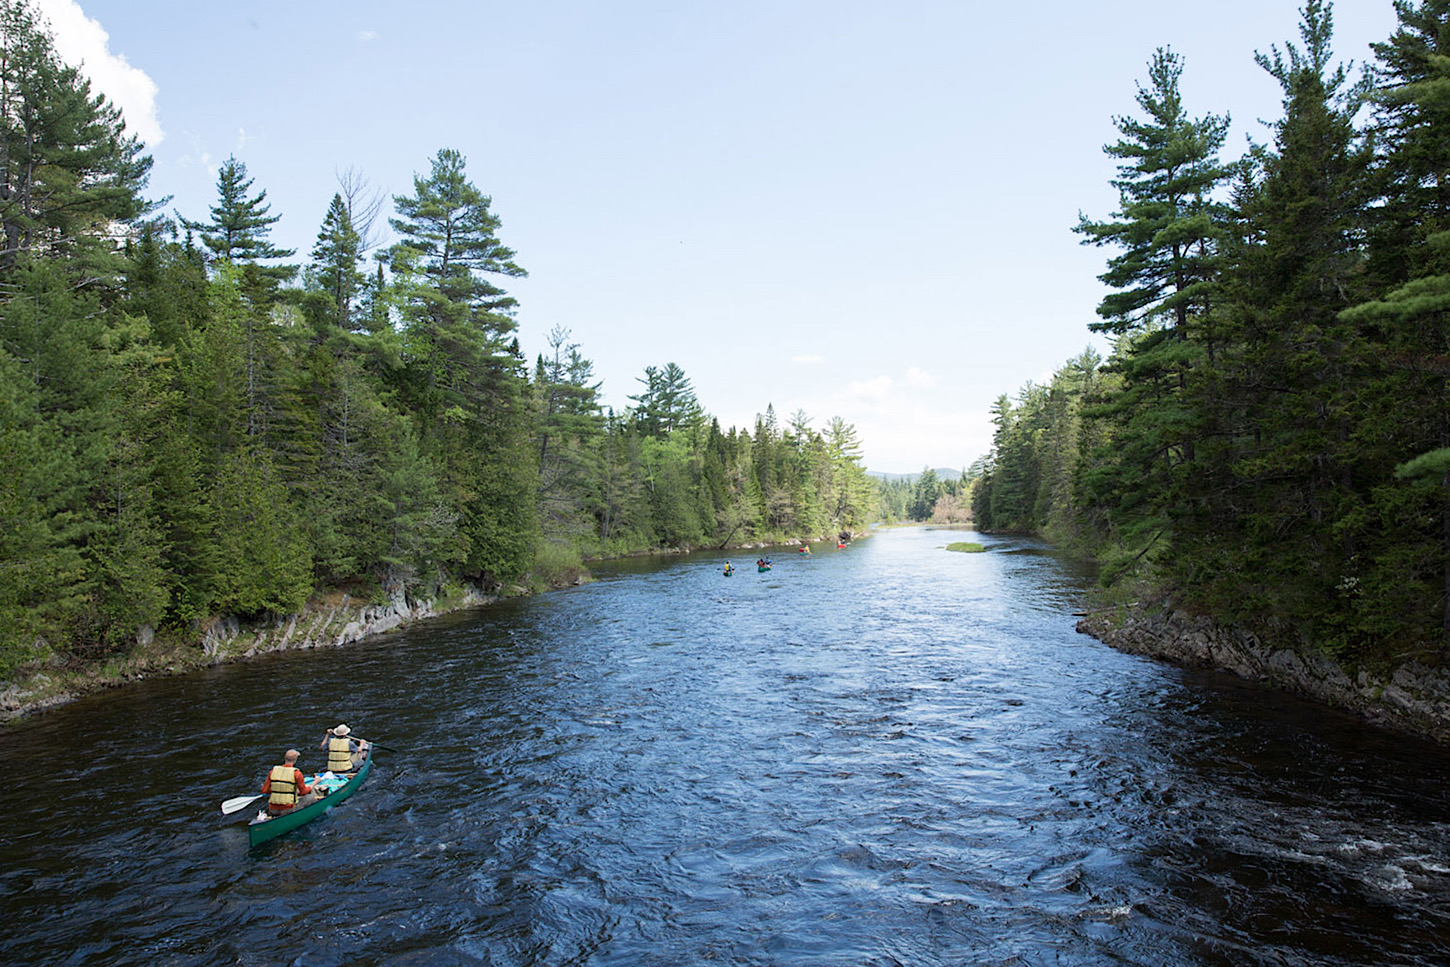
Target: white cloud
column 364, row 36
column 875, row 389
column 84, row 43
column 920, row 377
column 198, row 156
column 808, row 360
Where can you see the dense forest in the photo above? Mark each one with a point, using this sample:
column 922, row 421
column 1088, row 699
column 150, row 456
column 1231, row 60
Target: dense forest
column 1269, row 440
column 194, row 421
column 929, row 497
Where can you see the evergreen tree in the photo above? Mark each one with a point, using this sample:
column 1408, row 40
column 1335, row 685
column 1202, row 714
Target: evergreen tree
column 570, row 423
column 1287, row 459
column 69, row 172
column 335, row 260
column 667, row 403
column 855, row 494
column 924, row 494
column 80, row 547
column 457, row 320
column 165, row 282
column 619, row 500
column 240, row 223
column 258, row 560
column 1168, row 227
column 462, row 370
column 421, row 528
column 1408, row 414
column 1171, row 231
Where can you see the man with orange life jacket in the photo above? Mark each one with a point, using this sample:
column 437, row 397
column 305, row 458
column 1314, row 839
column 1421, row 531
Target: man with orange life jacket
column 344, row 755
column 286, row 787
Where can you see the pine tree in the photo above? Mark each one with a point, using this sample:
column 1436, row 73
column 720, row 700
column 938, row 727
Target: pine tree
column 457, row 319
column 1169, row 226
column 80, row 550
column 69, row 173
column 240, row 223
column 1170, row 230
column 462, row 371
column 855, row 493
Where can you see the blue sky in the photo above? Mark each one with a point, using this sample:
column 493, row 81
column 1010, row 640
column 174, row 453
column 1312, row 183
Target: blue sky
column 852, row 209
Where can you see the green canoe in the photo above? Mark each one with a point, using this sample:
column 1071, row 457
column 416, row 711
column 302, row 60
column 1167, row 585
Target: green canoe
column 264, row 827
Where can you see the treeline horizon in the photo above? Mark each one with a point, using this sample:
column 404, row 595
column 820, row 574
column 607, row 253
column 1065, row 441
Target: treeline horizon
column 1268, row 442
column 194, row 422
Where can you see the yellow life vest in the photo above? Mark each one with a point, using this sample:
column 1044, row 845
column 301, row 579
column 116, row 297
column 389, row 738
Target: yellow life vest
column 339, row 754
column 283, row 787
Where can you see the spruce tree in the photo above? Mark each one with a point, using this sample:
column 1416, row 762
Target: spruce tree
column 569, row 424
column 335, row 259
column 1284, row 527
column 1407, row 416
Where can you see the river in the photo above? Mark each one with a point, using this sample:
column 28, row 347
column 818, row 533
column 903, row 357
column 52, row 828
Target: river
column 889, row 754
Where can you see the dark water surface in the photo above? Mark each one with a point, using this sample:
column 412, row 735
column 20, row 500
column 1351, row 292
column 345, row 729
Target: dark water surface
column 890, row 754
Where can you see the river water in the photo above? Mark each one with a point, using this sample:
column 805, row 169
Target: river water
column 889, row 754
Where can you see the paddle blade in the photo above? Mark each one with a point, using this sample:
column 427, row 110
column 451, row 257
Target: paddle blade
column 239, row 803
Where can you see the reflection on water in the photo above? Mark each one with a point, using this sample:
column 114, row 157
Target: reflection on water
column 887, row 754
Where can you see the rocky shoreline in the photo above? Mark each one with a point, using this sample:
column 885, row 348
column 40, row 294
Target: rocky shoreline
column 1414, row 698
column 330, row 622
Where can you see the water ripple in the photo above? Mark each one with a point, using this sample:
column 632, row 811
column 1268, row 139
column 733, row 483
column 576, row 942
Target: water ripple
column 889, row 754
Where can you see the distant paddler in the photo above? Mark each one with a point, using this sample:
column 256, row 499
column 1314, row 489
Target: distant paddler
column 729, row 569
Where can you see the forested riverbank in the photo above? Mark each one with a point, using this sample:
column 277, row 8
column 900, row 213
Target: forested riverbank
column 196, row 424
column 1268, row 443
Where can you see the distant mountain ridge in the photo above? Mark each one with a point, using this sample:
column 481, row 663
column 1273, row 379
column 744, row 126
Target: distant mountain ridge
column 943, row 473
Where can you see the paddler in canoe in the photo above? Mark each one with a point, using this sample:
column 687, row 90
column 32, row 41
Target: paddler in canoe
column 344, row 755
column 286, row 787
column 294, row 799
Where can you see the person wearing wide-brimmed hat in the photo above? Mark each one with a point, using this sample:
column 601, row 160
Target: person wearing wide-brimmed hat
column 344, row 754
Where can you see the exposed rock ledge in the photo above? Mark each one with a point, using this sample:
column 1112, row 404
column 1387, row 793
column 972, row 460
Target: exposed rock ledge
column 330, row 623
column 1414, row 699
column 333, row 627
